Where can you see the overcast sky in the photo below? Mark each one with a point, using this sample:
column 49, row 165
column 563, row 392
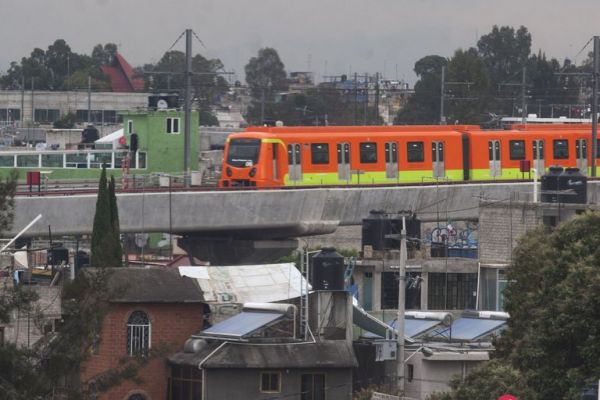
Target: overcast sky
column 323, row 36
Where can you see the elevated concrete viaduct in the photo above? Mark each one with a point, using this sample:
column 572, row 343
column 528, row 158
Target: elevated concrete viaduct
column 254, row 226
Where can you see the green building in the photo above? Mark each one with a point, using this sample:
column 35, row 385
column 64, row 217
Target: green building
column 160, row 136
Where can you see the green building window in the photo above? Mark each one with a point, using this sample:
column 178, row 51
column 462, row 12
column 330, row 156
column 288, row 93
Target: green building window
column 173, row 125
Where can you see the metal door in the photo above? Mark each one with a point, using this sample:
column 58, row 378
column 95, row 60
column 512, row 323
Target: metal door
column 581, row 155
column 538, row 156
column 391, row 160
column 343, row 160
column 437, row 159
column 494, row 157
column 294, row 162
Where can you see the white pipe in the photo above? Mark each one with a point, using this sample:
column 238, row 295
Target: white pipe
column 36, row 219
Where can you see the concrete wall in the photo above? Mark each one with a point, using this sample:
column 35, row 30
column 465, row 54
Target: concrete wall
column 70, row 101
column 25, row 329
column 218, row 384
column 267, row 214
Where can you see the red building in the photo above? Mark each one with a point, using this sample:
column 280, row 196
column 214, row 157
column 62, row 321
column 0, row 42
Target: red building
column 122, row 76
column 155, row 308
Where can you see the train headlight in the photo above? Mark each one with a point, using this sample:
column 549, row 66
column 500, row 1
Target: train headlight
column 228, row 171
column 252, row 172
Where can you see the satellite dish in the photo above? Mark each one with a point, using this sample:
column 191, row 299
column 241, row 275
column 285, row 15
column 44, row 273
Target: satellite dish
column 162, row 104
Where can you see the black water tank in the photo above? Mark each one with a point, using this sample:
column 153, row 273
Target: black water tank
column 374, row 229
column 58, row 256
column 327, row 270
column 550, row 184
column 413, row 232
column 169, row 100
column 572, row 186
column 89, row 134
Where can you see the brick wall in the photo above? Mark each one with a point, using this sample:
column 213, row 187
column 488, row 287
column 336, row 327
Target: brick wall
column 171, row 324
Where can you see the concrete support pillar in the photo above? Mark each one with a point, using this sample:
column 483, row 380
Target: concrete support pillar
column 377, row 287
column 424, row 290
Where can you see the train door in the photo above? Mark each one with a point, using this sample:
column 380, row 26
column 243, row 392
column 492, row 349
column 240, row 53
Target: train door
column 437, row 159
column 581, row 155
column 494, row 157
column 343, row 159
column 275, row 161
column 538, row 156
column 391, row 160
column 294, row 162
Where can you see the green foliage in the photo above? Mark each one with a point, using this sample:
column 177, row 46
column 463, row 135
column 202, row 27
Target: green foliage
column 551, row 347
column 265, row 74
column 16, row 298
column 206, row 87
column 67, row 121
column 56, row 68
column 106, row 250
column 487, row 382
column 206, row 118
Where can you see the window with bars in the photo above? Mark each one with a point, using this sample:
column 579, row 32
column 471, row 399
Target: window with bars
column 185, row 383
column 452, row 291
column 312, row 387
column 138, row 333
column 173, row 125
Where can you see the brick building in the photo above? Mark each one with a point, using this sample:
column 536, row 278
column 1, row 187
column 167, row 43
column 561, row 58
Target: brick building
column 156, row 308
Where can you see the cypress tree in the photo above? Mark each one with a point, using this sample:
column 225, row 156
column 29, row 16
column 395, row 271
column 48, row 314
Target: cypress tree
column 114, row 219
column 102, row 225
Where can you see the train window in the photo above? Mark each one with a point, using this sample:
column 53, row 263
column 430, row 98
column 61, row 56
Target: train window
column 561, row 149
column 243, row 152
column 414, row 151
column 293, row 154
column 368, row 152
column 598, row 148
column 516, row 149
column 319, row 153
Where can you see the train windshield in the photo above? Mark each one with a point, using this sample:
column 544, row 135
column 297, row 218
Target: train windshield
column 243, row 152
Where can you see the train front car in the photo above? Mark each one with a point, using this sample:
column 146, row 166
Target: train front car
column 250, row 160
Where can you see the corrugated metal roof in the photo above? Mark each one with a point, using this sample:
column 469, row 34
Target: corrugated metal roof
column 329, row 354
column 247, row 283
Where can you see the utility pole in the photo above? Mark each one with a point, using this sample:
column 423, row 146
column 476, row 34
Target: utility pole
column 401, row 307
column 355, row 96
column 89, row 118
column 32, row 104
column 442, row 117
column 366, row 102
column 22, row 99
column 523, row 103
column 376, row 96
column 188, row 105
column 595, row 106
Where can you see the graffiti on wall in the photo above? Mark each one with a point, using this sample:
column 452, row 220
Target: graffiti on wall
column 459, row 234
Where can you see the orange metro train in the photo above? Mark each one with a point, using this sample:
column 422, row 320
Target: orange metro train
column 273, row 157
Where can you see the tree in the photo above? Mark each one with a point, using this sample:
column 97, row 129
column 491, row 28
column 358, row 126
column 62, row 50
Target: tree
column 505, row 52
column 265, row 74
column 551, row 342
column 67, row 121
column 106, row 245
column 114, row 219
column 424, row 106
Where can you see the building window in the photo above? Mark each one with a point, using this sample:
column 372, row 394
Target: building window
column 10, row 114
column 46, row 115
column 414, row 152
column 173, row 125
column 312, row 387
column 451, row 291
column 368, row 153
column 130, row 127
column 516, row 149
column 270, row 382
column 138, row 333
column 319, row 153
column 561, row 149
column 185, row 383
column 410, row 373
